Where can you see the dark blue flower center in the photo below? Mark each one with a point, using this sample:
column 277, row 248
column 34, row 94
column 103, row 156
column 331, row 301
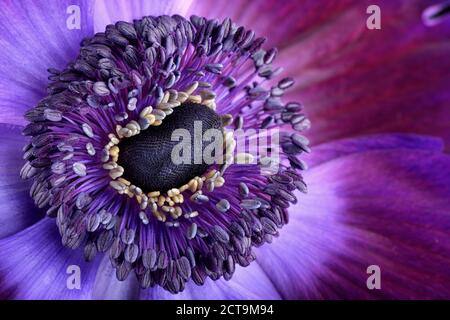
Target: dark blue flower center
column 146, row 157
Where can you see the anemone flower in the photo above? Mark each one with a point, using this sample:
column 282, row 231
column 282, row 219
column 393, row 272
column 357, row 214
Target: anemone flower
column 90, row 90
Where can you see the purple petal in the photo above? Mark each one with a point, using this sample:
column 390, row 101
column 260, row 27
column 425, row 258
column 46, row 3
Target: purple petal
column 246, row 283
column 34, row 265
column 388, row 208
column 107, row 287
column 250, row 283
column 111, row 11
column 34, row 37
column 343, row 147
column 17, row 210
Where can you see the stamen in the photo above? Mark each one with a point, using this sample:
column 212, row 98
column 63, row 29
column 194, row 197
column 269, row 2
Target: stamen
column 79, row 169
column 87, row 130
column 223, row 205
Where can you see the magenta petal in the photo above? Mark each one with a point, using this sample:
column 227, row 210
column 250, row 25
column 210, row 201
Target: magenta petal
column 280, row 22
column 357, row 81
column 17, row 210
column 34, row 265
column 250, row 283
column 388, row 208
column 111, row 11
column 34, row 37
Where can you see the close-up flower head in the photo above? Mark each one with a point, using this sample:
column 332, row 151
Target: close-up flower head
column 224, row 150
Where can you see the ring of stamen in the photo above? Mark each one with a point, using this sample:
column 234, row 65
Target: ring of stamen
column 119, row 72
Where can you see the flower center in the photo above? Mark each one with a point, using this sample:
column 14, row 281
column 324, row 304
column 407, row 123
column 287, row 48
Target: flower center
column 104, row 153
column 147, row 157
